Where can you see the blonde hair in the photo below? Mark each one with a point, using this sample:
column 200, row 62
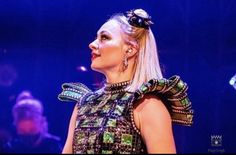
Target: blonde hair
column 147, row 65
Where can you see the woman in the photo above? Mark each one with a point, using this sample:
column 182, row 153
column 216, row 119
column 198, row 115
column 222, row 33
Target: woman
column 133, row 112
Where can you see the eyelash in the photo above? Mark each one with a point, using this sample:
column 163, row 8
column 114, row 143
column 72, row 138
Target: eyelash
column 103, row 37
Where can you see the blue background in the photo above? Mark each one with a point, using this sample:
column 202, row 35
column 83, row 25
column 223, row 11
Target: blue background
column 42, row 43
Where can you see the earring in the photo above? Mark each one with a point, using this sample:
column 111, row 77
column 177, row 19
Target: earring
column 129, row 50
column 125, row 63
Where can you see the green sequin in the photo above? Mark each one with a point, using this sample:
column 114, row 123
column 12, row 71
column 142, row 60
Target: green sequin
column 180, row 85
column 111, row 122
column 126, row 96
column 185, row 101
column 114, row 96
column 161, row 84
column 118, row 110
column 106, row 152
column 108, row 137
column 85, row 123
column 92, row 122
column 144, row 88
column 126, row 139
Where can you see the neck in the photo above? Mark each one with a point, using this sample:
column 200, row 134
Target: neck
column 113, row 77
column 116, row 75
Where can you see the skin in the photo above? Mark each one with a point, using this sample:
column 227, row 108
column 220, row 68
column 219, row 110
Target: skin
column 150, row 115
column 28, row 127
column 110, row 51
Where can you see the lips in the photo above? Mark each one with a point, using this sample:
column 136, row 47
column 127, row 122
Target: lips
column 94, row 56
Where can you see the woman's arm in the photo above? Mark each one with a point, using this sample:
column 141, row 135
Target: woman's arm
column 68, row 145
column 154, row 122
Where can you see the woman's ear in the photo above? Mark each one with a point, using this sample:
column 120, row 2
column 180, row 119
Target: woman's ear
column 131, row 51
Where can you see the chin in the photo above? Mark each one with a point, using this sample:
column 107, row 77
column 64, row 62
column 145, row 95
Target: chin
column 96, row 68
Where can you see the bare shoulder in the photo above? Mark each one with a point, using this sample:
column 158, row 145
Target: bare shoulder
column 154, row 122
column 151, row 105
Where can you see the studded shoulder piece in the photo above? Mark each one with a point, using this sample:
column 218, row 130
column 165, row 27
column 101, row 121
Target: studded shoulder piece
column 73, row 92
column 173, row 92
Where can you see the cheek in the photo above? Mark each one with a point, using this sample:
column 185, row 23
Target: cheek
column 110, row 59
column 111, row 56
column 112, row 53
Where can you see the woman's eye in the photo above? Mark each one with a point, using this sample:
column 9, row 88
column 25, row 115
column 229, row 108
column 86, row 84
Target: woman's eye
column 104, row 37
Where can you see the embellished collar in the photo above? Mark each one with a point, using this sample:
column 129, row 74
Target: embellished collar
column 116, row 87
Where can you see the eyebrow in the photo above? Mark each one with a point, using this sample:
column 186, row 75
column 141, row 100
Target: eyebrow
column 102, row 32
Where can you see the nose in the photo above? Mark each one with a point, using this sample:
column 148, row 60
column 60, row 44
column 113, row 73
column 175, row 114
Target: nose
column 93, row 45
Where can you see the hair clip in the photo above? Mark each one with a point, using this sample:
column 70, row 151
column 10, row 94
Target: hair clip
column 138, row 21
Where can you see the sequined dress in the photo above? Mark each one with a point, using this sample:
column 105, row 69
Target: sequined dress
column 105, row 122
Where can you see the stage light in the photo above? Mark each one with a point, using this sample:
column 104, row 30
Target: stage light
column 232, row 81
column 81, row 68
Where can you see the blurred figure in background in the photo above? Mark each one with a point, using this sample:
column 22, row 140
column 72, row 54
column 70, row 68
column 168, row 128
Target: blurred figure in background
column 31, row 128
